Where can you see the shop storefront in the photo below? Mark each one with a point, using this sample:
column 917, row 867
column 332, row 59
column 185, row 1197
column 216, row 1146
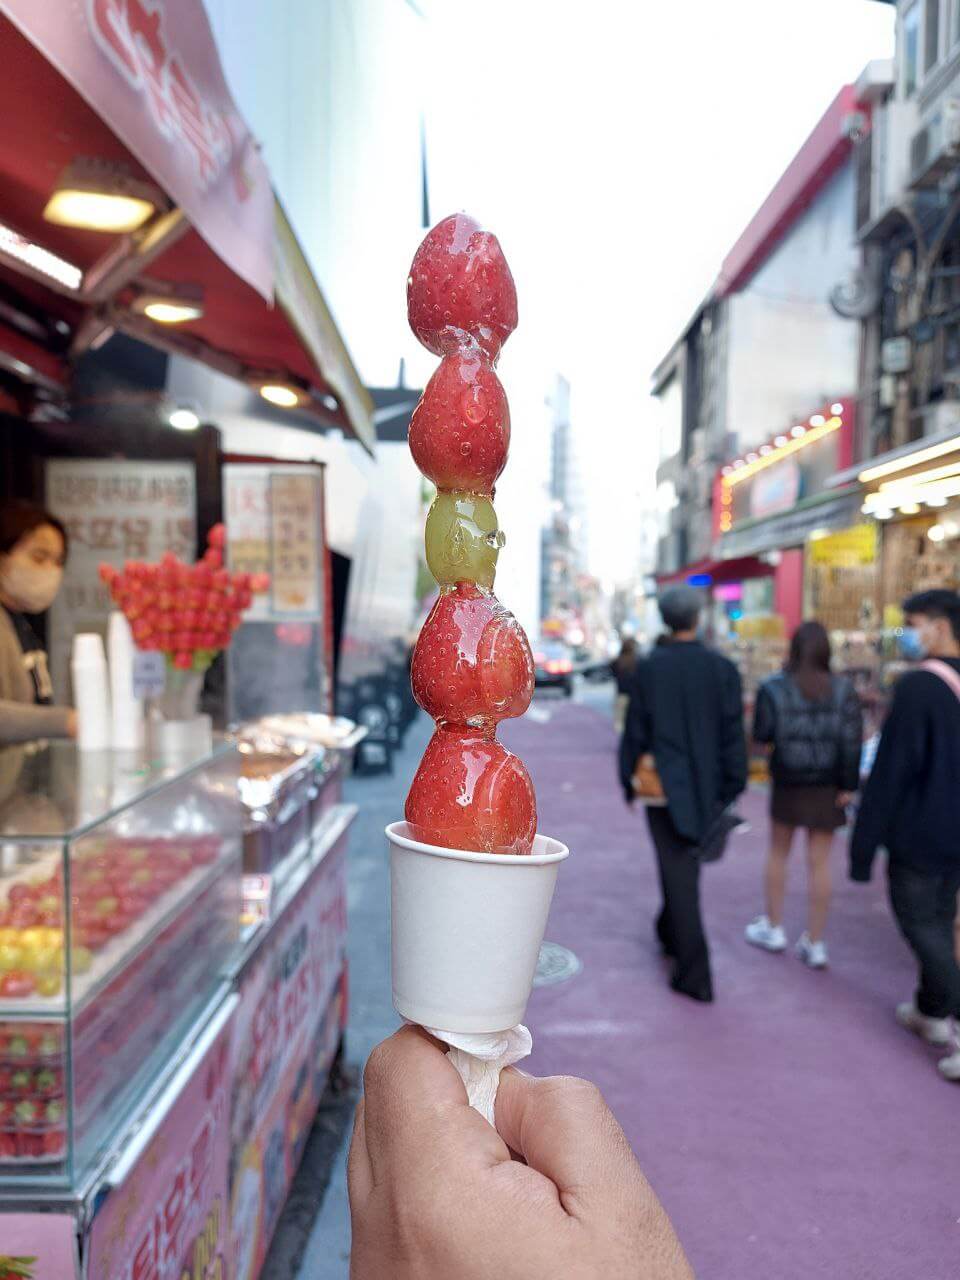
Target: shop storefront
column 774, row 503
column 173, row 971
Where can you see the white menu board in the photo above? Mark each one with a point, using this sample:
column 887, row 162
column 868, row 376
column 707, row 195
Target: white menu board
column 114, row 510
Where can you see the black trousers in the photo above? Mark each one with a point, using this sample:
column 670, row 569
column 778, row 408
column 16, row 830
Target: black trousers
column 679, row 926
column 925, row 904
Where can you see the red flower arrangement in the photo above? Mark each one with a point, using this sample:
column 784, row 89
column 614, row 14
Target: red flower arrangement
column 187, row 611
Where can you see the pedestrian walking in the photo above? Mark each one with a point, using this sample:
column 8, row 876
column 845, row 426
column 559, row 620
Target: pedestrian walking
column 911, row 805
column 684, row 729
column 813, row 721
column 622, row 668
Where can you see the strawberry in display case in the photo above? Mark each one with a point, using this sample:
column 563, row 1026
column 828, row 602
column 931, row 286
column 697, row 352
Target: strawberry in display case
column 32, row 1093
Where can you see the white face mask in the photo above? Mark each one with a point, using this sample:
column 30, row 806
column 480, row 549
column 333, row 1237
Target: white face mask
column 31, row 588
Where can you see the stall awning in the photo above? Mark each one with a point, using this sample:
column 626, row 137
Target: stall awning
column 827, row 511
column 138, row 86
column 708, row 572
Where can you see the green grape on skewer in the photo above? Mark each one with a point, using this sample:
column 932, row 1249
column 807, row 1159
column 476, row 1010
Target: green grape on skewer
column 463, row 539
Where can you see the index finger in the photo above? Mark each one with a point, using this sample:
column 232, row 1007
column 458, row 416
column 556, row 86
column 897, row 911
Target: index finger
column 416, row 1111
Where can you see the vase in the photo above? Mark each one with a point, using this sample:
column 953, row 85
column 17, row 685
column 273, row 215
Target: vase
column 178, row 730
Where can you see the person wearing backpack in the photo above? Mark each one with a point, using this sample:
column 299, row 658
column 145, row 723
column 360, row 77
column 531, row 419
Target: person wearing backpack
column 911, row 805
column 814, row 723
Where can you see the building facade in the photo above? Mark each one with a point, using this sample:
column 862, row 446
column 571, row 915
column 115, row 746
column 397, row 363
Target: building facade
column 766, row 345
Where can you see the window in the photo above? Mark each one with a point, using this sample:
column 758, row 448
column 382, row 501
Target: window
column 910, row 37
column 931, row 34
column 955, row 28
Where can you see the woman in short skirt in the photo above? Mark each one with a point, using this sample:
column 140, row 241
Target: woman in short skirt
column 813, row 721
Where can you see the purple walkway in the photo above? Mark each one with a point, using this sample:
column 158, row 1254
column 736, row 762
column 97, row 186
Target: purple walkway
column 791, row 1129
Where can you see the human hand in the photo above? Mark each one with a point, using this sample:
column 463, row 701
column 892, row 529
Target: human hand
column 71, row 724
column 435, row 1192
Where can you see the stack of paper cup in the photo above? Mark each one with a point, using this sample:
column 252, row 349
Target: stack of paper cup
column 467, row 929
column 91, row 692
column 128, row 720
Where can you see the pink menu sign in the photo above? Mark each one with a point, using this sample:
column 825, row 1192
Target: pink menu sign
column 38, row 1246
column 169, row 1217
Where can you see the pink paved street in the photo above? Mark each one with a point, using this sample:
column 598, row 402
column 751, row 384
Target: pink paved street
column 792, row 1129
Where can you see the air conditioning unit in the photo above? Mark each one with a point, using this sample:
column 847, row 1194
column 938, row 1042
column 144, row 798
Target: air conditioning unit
column 935, row 148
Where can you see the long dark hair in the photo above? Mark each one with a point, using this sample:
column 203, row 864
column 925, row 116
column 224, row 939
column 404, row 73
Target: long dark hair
column 809, row 660
column 17, row 519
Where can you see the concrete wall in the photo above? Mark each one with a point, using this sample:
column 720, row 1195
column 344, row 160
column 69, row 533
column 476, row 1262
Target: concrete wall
column 788, row 351
column 331, row 90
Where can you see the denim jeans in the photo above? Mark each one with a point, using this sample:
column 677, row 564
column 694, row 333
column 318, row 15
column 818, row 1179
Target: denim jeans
column 925, row 905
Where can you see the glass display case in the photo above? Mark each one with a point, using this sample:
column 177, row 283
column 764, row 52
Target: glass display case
column 120, row 884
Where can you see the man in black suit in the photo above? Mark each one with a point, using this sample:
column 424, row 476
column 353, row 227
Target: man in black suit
column 686, row 710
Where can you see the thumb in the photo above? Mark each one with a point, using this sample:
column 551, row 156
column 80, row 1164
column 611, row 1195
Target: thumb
column 563, row 1128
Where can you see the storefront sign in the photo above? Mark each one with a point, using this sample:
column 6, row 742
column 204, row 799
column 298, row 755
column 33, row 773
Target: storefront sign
column 114, row 511
column 150, row 69
column 777, row 489
column 289, row 1023
column 296, row 537
column 168, row 1218
column 38, row 1246
column 846, row 549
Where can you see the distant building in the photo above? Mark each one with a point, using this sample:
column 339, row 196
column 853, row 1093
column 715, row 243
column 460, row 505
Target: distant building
column 765, row 346
column 563, row 542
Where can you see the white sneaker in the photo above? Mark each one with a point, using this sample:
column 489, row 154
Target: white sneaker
column 936, row 1031
column 949, row 1067
column 813, row 954
column 761, row 933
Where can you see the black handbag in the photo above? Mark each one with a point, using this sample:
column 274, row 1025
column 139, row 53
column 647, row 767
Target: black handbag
column 714, row 843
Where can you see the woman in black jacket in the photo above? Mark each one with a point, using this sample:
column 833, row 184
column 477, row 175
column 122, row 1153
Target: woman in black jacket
column 813, row 721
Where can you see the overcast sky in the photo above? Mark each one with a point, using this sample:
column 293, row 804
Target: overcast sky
column 618, row 148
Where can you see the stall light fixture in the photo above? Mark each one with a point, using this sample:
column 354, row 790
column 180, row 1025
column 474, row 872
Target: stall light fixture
column 174, row 305
column 765, row 449
column 100, row 195
column 836, row 408
column 909, row 508
column 281, row 394
column 937, row 501
column 184, row 419
column 910, row 460
column 798, row 431
column 936, row 533
column 752, row 457
column 16, row 246
column 781, row 441
column 817, row 420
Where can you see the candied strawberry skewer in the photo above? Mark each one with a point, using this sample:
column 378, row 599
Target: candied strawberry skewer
column 472, row 666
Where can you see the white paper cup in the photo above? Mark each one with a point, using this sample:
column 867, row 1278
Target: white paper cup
column 467, row 929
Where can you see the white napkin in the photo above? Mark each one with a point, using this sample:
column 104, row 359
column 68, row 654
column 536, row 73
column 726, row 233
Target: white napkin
column 480, row 1057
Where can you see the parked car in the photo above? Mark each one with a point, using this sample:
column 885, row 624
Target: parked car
column 554, row 666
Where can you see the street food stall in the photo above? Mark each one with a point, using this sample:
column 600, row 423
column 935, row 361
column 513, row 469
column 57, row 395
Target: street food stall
column 172, row 954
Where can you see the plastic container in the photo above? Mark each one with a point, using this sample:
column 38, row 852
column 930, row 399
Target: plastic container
column 128, row 714
column 91, row 692
column 467, row 929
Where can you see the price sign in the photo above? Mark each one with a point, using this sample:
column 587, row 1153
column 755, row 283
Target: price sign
column 149, row 674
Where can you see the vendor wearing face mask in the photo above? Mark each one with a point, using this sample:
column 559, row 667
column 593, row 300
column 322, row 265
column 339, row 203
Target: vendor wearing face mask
column 33, row 550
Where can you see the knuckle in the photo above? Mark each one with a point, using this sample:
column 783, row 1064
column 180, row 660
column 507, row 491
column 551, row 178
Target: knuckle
column 376, row 1070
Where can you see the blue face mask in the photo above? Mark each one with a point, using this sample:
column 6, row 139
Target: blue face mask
column 911, row 646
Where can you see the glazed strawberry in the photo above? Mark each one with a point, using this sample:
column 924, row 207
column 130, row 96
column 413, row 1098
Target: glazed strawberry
column 472, row 664
column 471, row 793
column 460, row 430
column 460, row 290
